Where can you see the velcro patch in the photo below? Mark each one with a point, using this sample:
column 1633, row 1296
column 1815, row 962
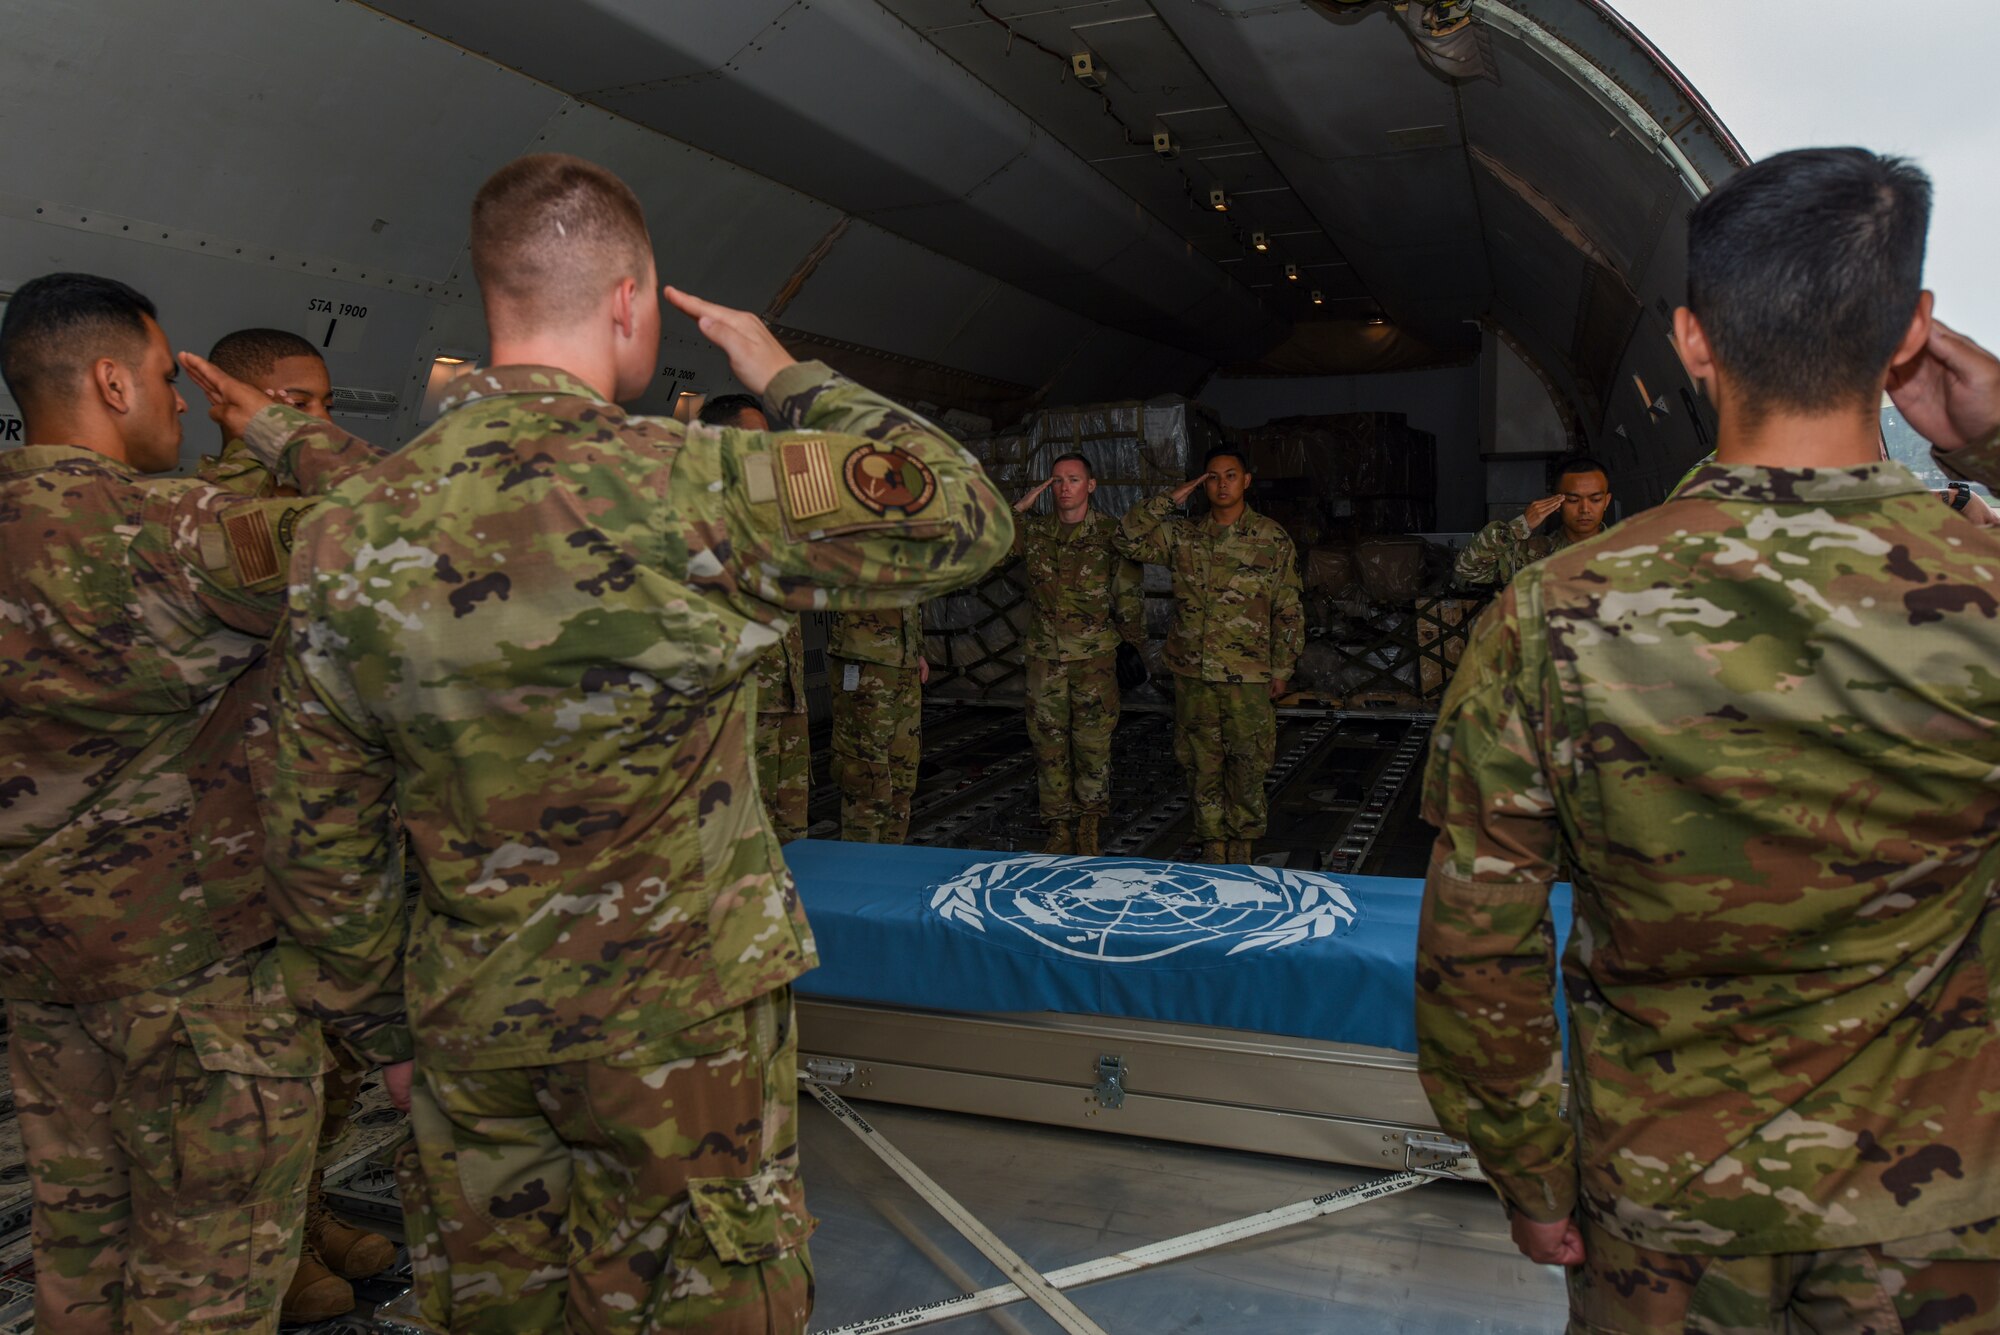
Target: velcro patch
column 253, row 551
column 758, row 483
column 809, row 486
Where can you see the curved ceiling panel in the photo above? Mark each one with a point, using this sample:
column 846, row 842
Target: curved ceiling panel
column 851, row 106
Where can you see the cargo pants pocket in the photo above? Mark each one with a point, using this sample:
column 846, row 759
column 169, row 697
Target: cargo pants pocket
column 739, row 1262
column 221, row 1153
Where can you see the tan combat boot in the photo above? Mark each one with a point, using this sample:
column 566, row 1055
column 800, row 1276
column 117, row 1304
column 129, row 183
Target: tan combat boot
column 350, row 1252
column 1060, row 839
column 1214, row 851
column 316, row 1294
column 1086, row 836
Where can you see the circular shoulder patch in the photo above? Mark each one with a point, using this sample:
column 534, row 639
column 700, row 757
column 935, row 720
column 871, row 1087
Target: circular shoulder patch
column 888, row 479
column 288, row 524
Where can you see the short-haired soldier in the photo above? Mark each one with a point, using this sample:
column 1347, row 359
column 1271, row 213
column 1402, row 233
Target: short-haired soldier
column 1759, row 726
column 1085, row 601
column 1507, row 546
column 534, row 627
column 1237, row 633
column 165, row 1088
column 281, row 364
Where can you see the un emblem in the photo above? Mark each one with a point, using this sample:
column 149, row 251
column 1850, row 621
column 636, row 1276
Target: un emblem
column 1130, row 910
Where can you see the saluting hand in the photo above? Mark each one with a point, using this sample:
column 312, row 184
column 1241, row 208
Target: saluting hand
column 1949, row 391
column 1021, row 506
column 755, row 355
column 231, row 403
column 1187, row 489
column 1538, row 512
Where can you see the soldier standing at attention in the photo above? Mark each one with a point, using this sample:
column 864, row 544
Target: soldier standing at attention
column 1085, row 600
column 784, row 730
column 876, row 668
column 290, row 370
column 1505, row 546
column 1760, row 729
column 1238, row 630
column 532, row 630
column 166, row 1090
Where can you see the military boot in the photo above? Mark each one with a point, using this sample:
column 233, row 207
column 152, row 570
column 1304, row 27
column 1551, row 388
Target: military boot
column 316, row 1294
column 350, row 1252
column 1214, row 851
column 1060, row 838
column 1086, row 836
column 1239, row 851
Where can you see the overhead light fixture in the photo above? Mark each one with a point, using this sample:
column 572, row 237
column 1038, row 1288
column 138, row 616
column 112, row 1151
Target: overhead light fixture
column 1086, row 69
column 1218, row 199
column 1318, row 298
column 1377, row 320
column 1164, row 145
column 1258, row 243
column 1292, row 272
column 449, row 361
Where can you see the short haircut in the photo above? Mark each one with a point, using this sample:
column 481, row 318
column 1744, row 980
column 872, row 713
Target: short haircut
column 1581, row 463
column 58, row 325
column 1805, row 269
column 1073, row 458
column 249, row 354
column 550, row 233
column 1226, row 452
column 724, row 409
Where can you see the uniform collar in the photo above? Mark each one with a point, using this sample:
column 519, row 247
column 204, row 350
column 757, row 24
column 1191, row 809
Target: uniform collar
column 1799, row 486
column 1241, row 525
column 497, row 381
column 31, row 458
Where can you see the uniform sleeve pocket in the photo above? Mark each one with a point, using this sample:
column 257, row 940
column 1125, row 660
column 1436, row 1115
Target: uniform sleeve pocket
column 255, row 1040
column 747, row 1220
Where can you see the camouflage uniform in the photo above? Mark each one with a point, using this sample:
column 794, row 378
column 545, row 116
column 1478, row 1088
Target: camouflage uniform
column 1503, row 549
column 150, row 1030
column 878, row 718
column 784, row 736
column 237, row 469
column 548, row 661
column 1084, row 599
column 1757, row 722
column 1238, row 624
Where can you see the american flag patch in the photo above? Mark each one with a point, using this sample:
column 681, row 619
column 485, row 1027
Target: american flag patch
column 808, row 479
column 251, row 548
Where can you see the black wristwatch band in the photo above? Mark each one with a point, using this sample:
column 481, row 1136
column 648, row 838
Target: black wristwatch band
column 1961, row 495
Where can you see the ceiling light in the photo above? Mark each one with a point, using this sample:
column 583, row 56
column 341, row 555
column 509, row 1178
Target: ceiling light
column 1088, row 72
column 1378, row 320
column 1164, row 145
column 1292, row 272
column 1318, row 299
column 1258, row 243
column 449, row 361
column 1218, row 199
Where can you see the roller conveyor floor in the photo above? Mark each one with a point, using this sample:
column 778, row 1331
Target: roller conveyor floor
column 1343, row 789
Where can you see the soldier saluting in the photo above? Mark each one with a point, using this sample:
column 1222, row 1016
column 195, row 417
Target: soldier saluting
column 166, row 1089
column 1505, row 547
column 531, row 631
column 1238, row 630
column 1760, row 727
column 1085, row 599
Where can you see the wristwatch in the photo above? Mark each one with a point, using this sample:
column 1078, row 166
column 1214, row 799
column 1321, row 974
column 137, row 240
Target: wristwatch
column 1961, row 495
